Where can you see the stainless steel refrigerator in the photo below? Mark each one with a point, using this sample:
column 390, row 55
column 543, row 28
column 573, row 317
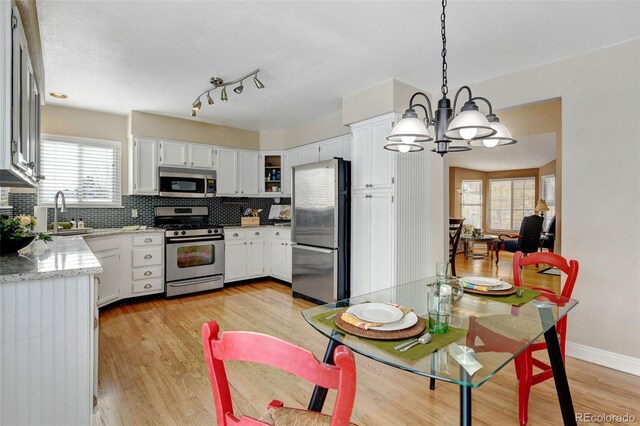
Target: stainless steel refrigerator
column 321, row 230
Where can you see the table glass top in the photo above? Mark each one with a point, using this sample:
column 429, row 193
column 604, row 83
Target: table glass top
column 501, row 332
column 478, row 237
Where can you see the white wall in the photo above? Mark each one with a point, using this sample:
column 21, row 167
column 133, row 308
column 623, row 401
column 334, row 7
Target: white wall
column 600, row 94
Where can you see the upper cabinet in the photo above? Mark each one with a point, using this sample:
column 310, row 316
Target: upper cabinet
column 174, row 153
column 20, row 100
column 143, row 166
column 374, row 166
column 202, row 156
column 237, row 173
column 310, row 153
column 248, row 173
column 227, row 176
column 271, row 176
column 336, row 147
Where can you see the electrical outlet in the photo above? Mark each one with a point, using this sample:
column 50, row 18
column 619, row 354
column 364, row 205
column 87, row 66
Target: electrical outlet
column 134, row 212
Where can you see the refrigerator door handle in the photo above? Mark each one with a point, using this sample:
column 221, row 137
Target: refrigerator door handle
column 309, row 248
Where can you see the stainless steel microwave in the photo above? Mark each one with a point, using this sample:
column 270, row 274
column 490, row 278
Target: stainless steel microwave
column 187, row 183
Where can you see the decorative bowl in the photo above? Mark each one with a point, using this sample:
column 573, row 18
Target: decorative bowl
column 9, row 246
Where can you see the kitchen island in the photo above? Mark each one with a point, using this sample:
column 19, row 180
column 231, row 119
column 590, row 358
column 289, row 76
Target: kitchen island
column 48, row 337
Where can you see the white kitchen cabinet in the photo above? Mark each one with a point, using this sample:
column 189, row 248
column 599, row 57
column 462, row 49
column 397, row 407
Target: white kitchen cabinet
column 248, row 172
column 310, row 153
column 271, row 174
column 255, row 258
column 372, row 241
column 339, row 147
column 278, row 259
column 288, row 262
column 174, row 153
column 235, row 260
column 292, row 157
column 202, row 156
column 109, row 280
column 143, row 166
column 373, row 167
column 227, row 176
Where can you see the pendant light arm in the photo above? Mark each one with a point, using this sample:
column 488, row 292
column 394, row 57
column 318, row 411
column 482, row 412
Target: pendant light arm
column 219, row 83
column 455, row 99
column 485, row 100
column 428, row 112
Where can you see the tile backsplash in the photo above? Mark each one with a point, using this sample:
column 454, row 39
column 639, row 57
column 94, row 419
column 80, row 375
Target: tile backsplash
column 221, row 210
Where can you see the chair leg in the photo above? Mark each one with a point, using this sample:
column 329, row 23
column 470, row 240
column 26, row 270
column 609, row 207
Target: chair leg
column 524, row 372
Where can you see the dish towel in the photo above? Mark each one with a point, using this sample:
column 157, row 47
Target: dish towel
column 365, row 325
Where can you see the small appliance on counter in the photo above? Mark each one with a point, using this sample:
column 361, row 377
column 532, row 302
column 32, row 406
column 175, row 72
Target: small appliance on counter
column 194, row 249
column 320, row 230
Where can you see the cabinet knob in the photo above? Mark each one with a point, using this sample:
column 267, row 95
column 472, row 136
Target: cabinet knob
column 242, row 192
column 251, row 243
column 281, row 244
column 148, row 256
column 147, row 273
column 245, row 243
column 148, row 240
column 185, row 163
column 147, row 286
column 235, row 235
column 277, row 233
column 257, row 233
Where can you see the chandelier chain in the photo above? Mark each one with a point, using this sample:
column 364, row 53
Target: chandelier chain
column 443, row 32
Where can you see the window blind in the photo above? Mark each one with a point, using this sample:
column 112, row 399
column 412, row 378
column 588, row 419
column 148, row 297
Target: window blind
column 87, row 171
column 471, row 200
column 4, row 197
column 549, row 196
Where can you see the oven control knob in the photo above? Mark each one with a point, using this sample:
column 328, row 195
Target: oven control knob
column 215, row 231
column 175, row 232
column 183, row 232
column 209, row 231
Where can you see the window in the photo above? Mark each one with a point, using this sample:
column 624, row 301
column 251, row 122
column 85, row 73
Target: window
column 4, row 198
column 548, row 194
column 87, row 171
column 510, row 201
column 472, row 202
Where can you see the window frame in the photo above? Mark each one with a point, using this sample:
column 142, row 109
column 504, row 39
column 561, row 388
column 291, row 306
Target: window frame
column 88, row 141
column 481, row 204
column 511, row 179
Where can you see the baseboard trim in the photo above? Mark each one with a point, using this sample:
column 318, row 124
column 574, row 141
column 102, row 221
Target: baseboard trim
column 613, row 360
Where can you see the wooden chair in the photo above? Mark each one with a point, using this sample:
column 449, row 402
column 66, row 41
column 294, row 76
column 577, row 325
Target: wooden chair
column 489, row 328
column 455, row 230
column 268, row 350
column 526, row 241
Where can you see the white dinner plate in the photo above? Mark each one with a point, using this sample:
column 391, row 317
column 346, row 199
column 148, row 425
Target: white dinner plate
column 407, row 321
column 376, row 312
column 503, row 286
column 483, row 281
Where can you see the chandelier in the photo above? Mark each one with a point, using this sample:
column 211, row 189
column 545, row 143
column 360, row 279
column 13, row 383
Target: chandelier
column 218, row 82
column 453, row 132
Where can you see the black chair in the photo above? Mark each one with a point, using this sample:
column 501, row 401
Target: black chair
column 548, row 238
column 455, row 230
column 527, row 241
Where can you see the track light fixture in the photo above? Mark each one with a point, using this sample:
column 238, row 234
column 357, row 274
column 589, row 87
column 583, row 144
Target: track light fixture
column 453, row 132
column 218, row 82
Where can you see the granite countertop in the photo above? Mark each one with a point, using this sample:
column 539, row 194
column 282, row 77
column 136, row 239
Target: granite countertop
column 238, row 226
column 63, row 256
column 108, row 232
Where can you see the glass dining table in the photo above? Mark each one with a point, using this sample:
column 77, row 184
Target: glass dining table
column 489, row 333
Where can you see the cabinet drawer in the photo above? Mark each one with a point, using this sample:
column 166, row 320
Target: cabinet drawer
column 284, row 234
column 146, row 273
column 235, row 234
column 255, row 233
column 147, row 240
column 146, row 286
column 147, row 256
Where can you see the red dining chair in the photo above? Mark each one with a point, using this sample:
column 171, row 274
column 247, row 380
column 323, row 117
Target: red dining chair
column 268, row 350
column 490, row 329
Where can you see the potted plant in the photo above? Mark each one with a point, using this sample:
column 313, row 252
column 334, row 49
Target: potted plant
column 17, row 233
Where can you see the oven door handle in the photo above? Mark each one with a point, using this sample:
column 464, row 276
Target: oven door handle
column 183, row 284
column 181, row 239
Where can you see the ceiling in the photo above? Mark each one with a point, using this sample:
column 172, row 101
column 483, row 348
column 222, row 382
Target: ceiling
column 157, row 56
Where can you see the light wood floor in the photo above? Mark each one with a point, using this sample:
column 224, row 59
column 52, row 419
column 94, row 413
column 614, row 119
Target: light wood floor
column 152, row 370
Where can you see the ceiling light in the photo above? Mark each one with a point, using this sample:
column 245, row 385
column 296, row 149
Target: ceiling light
column 193, row 112
column 501, row 137
column 58, row 95
column 218, row 82
column 453, row 132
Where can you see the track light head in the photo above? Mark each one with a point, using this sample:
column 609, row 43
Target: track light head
column 193, row 112
column 209, row 99
column 223, row 96
column 239, row 89
column 197, row 105
column 258, row 83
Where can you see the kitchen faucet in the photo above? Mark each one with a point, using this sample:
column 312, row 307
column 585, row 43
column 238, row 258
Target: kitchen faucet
column 55, row 210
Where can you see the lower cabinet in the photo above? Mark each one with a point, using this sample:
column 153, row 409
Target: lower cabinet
column 108, row 281
column 235, row 260
column 281, row 259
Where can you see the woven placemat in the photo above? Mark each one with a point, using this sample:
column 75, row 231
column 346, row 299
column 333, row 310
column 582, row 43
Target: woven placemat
column 406, row 333
column 507, row 292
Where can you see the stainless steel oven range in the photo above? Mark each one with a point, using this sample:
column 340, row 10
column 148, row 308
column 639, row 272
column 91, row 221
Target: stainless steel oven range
column 194, row 249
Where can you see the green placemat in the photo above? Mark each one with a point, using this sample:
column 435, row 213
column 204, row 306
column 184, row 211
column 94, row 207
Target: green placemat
column 527, row 297
column 413, row 354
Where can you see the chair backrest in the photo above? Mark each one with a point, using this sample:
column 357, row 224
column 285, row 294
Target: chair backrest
column 569, row 268
column 530, row 231
column 268, row 350
column 455, row 230
column 551, row 229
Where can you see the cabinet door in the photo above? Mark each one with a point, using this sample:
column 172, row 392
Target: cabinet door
column 360, row 158
column 255, row 258
column 331, row 148
column 248, row 173
column 23, row 82
column 227, row 171
column 346, row 147
column 360, row 243
column 145, row 166
column 201, row 156
column 278, row 259
column 310, row 153
column 288, row 261
column 381, row 241
column 270, row 175
column 173, row 153
column 292, row 158
column 382, row 161
column 235, row 260
column 108, row 281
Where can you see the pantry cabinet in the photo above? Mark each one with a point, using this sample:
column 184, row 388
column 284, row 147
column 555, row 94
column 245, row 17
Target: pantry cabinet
column 374, row 166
